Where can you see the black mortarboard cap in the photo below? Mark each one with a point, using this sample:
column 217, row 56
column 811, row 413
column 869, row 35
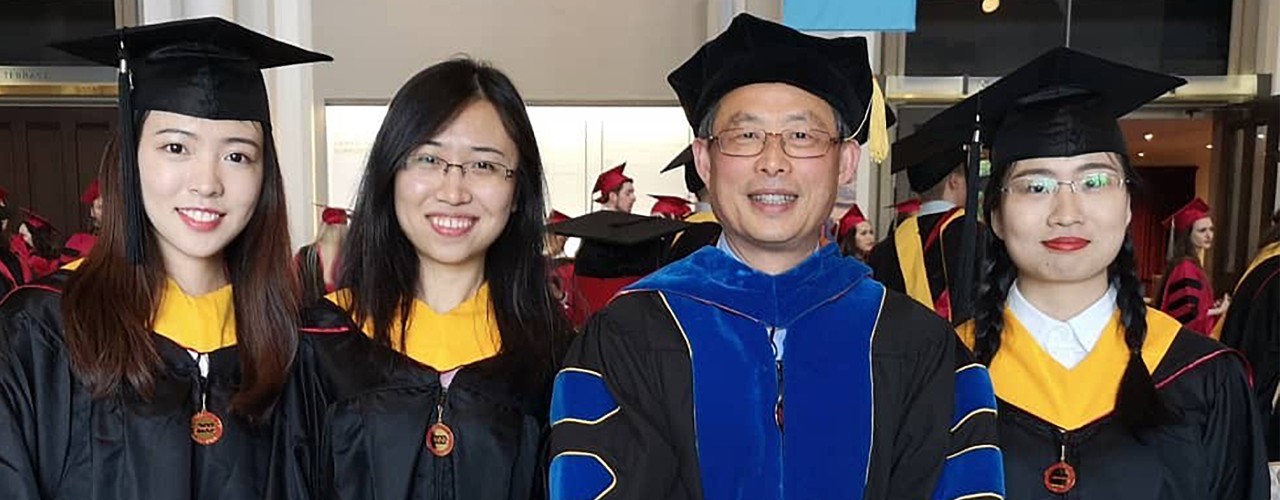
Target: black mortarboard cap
column 926, row 163
column 618, row 228
column 207, row 68
column 753, row 50
column 692, row 181
column 1063, row 103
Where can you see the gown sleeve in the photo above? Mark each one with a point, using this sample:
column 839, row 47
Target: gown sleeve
column 35, row 401
column 611, row 415
column 974, row 468
column 1232, row 442
column 1187, row 297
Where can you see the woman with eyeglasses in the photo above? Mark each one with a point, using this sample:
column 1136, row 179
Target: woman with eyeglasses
column 426, row 375
column 1100, row 397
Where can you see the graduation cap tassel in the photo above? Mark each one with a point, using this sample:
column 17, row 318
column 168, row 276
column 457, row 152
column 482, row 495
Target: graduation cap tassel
column 964, row 297
column 878, row 136
column 131, row 189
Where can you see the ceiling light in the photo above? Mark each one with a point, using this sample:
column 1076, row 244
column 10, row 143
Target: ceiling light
column 1141, row 154
column 1262, row 136
column 1208, row 146
column 989, row 6
column 1148, row 136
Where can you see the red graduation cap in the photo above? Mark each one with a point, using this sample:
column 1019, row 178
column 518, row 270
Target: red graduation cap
column 609, row 181
column 90, row 193
column 556, row 216
column 35, row 221
column 333, row 216
column 674, row 206
column 1185, row 217
column 910, row 206
column 849, row 220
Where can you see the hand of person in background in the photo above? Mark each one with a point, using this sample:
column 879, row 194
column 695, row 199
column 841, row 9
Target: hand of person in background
column 1221, row 305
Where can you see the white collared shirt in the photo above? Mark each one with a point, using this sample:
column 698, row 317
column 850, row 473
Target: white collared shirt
column 935, row 207
column 1067, row 341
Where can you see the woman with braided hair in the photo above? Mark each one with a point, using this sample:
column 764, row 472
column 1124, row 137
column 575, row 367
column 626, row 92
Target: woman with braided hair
column 1099, row 396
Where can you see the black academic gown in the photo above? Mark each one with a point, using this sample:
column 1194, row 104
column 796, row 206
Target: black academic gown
column 941, row 256
column 358, row 414
column 10, row 272
column 1212, row 450
column 705, row 231
column 56, row 442
column 673, row 392
column 1252, row 326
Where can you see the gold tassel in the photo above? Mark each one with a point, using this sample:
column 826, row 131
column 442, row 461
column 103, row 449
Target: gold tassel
column 878, row 136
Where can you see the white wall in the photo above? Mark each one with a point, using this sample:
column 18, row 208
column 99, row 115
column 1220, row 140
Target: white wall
column 555, row 51
column 576, row 143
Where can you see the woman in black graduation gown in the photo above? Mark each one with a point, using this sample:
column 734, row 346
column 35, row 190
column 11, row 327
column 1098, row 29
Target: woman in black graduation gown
column 151, row 368
column 1100, row 396
column 443, row 388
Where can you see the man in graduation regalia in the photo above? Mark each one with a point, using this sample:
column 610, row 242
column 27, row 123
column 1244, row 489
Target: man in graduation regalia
column 618, row 248
column 705, row 230
column 921, row 256
column 767, row 367
column 603, row 266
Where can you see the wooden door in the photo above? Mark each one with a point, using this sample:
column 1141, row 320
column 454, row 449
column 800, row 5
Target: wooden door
column 49, row 155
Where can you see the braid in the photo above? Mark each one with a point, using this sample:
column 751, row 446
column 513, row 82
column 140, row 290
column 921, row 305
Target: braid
column 998, row 273
column 1138, row 403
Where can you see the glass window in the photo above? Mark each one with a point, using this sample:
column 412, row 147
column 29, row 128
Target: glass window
column 27, row 27
column 954, row 37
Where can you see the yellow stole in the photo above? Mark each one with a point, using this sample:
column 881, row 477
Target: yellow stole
column 443, row 341
column 697, row 217
column 910, row 249
column 203, row 324
column 1026, row 376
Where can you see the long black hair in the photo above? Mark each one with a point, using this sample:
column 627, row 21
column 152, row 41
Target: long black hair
column 380, row 265
column 1138, row 404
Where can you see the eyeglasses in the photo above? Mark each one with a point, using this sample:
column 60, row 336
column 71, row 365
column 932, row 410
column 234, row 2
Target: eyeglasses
column 476, row 171
column 799, row 144
column 1043, row 187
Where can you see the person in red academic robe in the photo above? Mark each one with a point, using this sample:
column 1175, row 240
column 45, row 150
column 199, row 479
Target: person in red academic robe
column 79, row 244
column 855, row 234
column 1186, row 292
column 37, row 245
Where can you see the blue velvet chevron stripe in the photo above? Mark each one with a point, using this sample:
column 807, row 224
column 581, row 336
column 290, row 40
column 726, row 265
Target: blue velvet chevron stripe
column 725, row 311
column 977, row 472
column 974, row 393
column 591, row 479
column 581, row 396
